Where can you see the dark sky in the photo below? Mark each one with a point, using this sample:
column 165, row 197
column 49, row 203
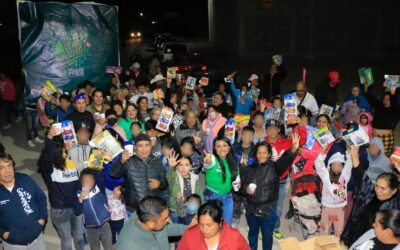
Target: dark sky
column 174, row 16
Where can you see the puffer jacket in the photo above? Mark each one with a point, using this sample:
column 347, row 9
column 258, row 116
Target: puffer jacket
column 137, row 174
column 266, row 177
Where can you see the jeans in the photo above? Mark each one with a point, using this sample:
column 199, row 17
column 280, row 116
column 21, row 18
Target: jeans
column 31, row 120
column 103, row 234
column 279, row 205
column 68, row 226
column 227, row 202
column 267, row 225
column 9, row 108
column 37, row 244
column 116, row 227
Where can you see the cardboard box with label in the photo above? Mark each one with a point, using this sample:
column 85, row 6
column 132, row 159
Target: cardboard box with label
column 327, row 242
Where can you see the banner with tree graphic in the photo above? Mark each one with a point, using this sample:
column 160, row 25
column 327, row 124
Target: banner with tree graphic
column 67, row 44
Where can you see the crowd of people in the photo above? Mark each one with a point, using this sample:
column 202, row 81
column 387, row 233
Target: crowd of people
column 188, row 186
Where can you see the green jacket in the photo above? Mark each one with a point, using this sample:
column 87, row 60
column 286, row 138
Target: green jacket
column 175, row 185
column 214, row 177
column 134, row 237
column 125, row 124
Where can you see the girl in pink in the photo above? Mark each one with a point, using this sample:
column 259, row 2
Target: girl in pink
column 118, row 213
column 214, row 122
column 364, row 120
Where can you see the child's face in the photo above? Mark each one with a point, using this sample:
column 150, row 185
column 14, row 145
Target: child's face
column 117, row 192
column 165, row 150
column 186, row 150
column 152, row 132
column 64, row 104
column 247, row 137
column 136, row 130
column 336, row 167
column 277, row 104
column 184, row 167
column 88, row 182
column 364, row 120
column 156, row 115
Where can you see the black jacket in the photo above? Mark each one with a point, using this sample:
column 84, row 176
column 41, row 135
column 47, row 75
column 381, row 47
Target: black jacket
column 326, row 95
column 79, row 118
column 266, row 177
column 137, row 173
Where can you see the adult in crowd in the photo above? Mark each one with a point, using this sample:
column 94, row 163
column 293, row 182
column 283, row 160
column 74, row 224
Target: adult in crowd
column 219, row 101
column 62, row 179
column 212, row 231
column 131, row 115
column 8, row 96
column 23, row 209
column 98, row 105
column 211, row 125
column 384, row 236
column 357, row 95
column 80, row 114
column 222, row 90
column 150, row 227
column 327, row 91
column 260, row 183
column 144, row 173
column 111, row 120
column 139, row 76
column 260, row 131
column 141, row 92
column 190, row 127
column 386, row 116
column 306, row 99
column 221, row 170
column 143, row 104
column 276, row 73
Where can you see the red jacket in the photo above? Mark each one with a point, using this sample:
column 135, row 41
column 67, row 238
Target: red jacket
column 7, row 90
column 282, row 144
column 229, row 239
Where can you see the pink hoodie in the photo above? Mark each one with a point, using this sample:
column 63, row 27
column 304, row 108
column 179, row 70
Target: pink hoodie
column 368, row 127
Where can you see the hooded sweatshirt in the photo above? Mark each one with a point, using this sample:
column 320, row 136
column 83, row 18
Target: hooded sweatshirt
column 368, row 127
column 378, row 164
column 334, row 195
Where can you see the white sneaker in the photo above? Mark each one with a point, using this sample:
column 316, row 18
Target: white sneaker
column 18, row 119
column 38, row 140
column 31, row 144
column 8, row 126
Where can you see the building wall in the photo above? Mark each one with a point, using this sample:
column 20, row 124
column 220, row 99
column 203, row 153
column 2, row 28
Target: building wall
column 307, row 28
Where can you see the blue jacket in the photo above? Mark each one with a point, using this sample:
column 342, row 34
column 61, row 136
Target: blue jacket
column 21, row 209
column 95, row 208
column 241, row 108
column 62, row 184
column 57, row 112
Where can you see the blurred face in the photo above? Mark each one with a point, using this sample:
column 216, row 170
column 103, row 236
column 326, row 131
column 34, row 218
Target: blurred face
column 277, row 104
column 208, row 227
column 83, row 136
column 386, row 101
column 118, row 109
column 6, row 172
column 184, row 108
column 191, row 120
column 165, row 150
column 125, row 92
column 131, row 112
column 273, row 132
column 221, row 88
column 222, row 148
column 383, row 191
column 89, row 89
column 64, row 104
column 247, row 137
column 184, row 167
column 355, row 91
column 87, row 182
column 373, row 150
column 160, row 223
column 143, row 105
column 217, row 100
column 263, row 154
column 98, row 98
column 112, row 91
column 364, row 120
column 186, row 149
column 322, row 122
column 300, row 90
column 156, row 115
column 136, row 130
column 120, row 96
column 143, row 149
column 142, row 89
column 303, row 121
column 337, row 167
column 382, row 234
column 152, row 132
column 80, row 105
column 117, row 192
column 258, row 121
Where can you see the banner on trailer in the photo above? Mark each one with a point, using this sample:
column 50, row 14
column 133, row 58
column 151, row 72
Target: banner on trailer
column 67, row 44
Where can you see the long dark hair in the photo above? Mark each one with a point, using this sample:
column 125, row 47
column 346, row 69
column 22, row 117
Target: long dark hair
column 59, row 148
column 390, row 218
column 262, row 144
column 230, row 159
column 138, row 115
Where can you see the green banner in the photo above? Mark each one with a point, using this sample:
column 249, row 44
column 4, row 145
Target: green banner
column 67, row 44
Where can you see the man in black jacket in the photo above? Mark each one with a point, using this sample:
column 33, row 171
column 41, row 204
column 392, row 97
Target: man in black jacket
column 144, row 173
column 80, row 115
